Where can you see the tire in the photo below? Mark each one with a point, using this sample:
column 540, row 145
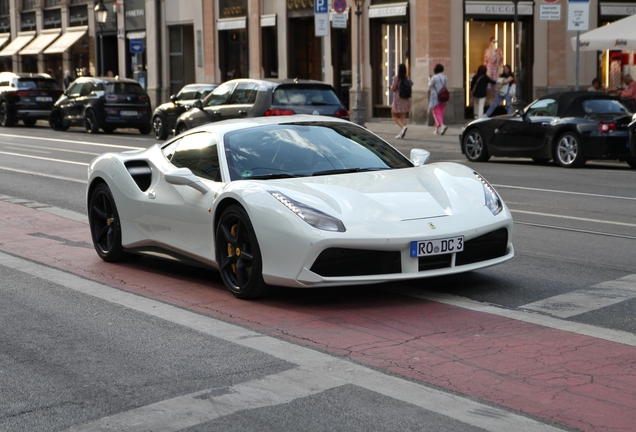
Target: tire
column 56, row 122
column 90, row 122
column 145, row 130
column 29, row 122
column 239, row 255
column 631, row 162
column 5, row 118
column 180, row 129
column 104, row 223
column 475, row 147
column 159, row 127
column 568, row 152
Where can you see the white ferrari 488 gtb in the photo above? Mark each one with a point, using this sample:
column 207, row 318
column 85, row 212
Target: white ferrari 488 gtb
column 297, row 201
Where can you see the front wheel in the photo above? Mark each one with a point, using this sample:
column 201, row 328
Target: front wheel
column 568, row 152
column 90, row 122
column 239, row 255
column 475, row 147
column 159, row 126
column 5, row 119
column 103, row 219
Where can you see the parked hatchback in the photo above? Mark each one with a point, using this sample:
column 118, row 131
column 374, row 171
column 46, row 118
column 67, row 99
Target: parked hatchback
column 242, row 98
column 102, row 102
column 165, row 115
column 27, row 97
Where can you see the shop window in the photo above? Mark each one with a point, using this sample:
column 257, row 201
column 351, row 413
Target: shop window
column 28, row 4
column 4, row 7
column 50, row 3
column 394, row 52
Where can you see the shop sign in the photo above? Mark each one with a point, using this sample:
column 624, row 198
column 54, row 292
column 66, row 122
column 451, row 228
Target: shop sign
column 5, row 25
column 387, row 10
column 231, row 24
column 498, row 8
column 232, row 8
column 268, row 20
column 27, row 21
column 77, row 16
column 578, row 15
column 550, row 13
column 135, row 14
column 52, row 18
column 618, row 9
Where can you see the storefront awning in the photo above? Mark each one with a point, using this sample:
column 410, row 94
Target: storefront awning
column 618, row 35
column 39, row 43
column 17, row 44
column 72, row 35
column 4, row 38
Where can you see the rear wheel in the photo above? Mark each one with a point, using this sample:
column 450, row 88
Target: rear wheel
column 56, row 122
column 475, row 147
column 568, row 152
column 159, row 126
column 239, row 255
column 181, row 129
column 5, row 119
column 90, row 121
column 29, row 122
column 105, row 226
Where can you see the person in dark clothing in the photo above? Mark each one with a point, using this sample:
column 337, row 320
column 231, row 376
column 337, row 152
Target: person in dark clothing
column 479, row 89
column 504, row 83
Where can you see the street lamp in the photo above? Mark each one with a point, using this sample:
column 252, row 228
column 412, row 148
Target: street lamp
column 518, row 103
column 101, row 15
column 359, row 111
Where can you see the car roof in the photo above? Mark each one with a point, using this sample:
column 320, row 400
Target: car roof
column 569, row 102
column 27, row 75
column 107, row 79
column 226, row 126
column 275, row 82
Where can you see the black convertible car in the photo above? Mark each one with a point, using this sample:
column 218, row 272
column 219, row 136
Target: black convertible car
column 568, row 127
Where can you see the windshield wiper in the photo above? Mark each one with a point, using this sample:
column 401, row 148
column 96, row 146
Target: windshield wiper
column 274, row 176
column 345, row 171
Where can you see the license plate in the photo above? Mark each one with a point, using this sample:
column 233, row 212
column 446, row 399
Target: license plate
column 128, row 113
column 437, row 246
column 43, row 99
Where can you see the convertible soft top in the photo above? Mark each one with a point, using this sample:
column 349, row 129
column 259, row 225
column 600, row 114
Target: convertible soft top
column 570, row 103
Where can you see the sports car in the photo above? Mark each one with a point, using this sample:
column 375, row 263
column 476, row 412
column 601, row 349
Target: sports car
column 297, row 201
column 568, row 128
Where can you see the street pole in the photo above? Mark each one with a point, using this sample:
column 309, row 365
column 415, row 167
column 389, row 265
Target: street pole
column 518, row 103
column 101, row 49
column 578, row 38
column 359, row 111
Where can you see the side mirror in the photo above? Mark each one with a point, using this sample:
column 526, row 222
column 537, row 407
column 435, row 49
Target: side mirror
column 519, row 112
column 184, row 177
column 419, row 157
column 198, row 104
column 173, row 98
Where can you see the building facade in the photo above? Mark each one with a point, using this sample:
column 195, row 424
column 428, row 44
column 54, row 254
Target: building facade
column 166, row 44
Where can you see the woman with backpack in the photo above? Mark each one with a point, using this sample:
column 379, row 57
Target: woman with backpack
column 401, row 88
column 504, row 84
column 479, row 89
column 438, row 98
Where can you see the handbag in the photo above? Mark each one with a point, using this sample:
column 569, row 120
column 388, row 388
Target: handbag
column 443, row 95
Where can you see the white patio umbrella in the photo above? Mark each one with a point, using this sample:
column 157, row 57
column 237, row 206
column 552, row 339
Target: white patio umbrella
column 619, row 35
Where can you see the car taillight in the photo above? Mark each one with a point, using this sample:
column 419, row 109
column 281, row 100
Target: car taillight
column 342, row 113
column 143, row 98
column 278, row 112
column 606, row 127
column 111, row 97
column 21, row 93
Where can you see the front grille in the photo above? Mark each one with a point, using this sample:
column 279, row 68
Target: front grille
column 483, row 248
column 434, row 262
column 336, row 262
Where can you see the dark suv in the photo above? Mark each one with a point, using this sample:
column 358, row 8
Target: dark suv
column 27, row 97
column 242, row 98
column 101, row 102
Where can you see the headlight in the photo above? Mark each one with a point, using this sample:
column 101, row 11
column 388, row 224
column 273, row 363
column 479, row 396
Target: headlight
column 313, row 217
column 493, row 202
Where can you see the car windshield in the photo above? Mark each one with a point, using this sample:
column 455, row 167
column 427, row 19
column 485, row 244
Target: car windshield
column 124, row 88
column 37, row 83
column 304, row 95
column 307, row 149
column 194, row 92
column 604, row 106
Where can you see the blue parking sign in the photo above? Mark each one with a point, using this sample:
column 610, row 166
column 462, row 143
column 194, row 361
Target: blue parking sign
column 136, row 46
column 321, row 6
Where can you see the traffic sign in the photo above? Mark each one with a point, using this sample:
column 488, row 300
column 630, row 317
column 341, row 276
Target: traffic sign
column 578, row 15
column 340, row 6
column 321, row 6
column 136, row 46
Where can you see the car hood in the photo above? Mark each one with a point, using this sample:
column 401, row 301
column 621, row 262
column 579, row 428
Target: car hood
column 430, row 191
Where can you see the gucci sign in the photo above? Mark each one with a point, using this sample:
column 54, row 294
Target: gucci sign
column 300, row 4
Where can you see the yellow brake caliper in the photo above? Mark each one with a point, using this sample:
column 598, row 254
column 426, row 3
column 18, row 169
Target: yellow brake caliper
column 231, row 250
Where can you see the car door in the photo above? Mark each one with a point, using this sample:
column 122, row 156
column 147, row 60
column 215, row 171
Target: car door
column 69, row 105
column 240, row 102
column 179, row 215
column 212, row 106
column 526, row 134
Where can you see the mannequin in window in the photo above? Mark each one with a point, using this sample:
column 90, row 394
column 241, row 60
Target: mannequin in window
column 493, row 59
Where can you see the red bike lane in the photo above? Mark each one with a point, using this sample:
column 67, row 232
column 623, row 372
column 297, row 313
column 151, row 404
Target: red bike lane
column 570, row 379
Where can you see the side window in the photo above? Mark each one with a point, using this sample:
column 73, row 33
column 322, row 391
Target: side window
column 244, row 94
column 543, row 108
column 198, row 151
column 168, row 149
column 86, row 88
column 75, row 89
column 219, row 95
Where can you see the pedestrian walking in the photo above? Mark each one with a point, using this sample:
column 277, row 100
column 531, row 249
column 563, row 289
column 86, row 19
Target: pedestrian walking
column 438, row 98
column 479, row 89
column 68, row 79
column 401, row 99
column 504, row 84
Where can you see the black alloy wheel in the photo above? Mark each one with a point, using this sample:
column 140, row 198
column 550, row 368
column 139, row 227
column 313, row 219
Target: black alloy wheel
column 90, row 121
column 159, row 126
column 56, row 122
column 568, row 152
column 104, row 224
column 239, row 255
column 5, row 118
column 475, row 147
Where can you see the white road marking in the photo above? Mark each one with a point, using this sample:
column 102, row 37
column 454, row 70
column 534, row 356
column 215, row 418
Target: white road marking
column 58, row 149
column 28, row 149
column 72, row 142
column 43, row 158
column 563, row 192
column 43, row 174
column 316, row 372
column 587, row 299
column 573, row 218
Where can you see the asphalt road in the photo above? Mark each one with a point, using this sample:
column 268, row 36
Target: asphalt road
column 77, row 350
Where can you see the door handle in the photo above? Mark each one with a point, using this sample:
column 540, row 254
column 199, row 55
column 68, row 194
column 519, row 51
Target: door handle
column 242, row 112
column 545, row 124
